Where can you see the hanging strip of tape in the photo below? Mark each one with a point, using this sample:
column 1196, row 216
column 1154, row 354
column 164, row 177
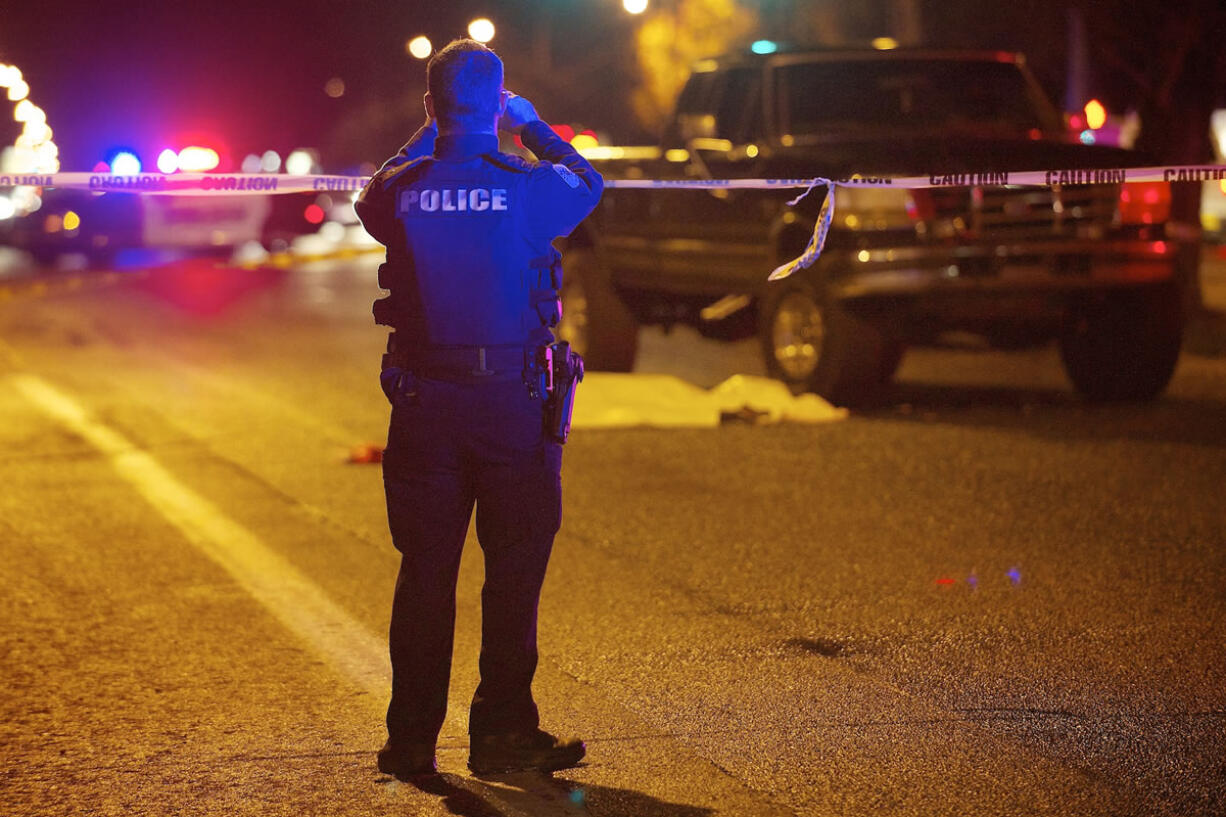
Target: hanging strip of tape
column 228, row 184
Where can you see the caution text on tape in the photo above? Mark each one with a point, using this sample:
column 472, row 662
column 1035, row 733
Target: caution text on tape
column 264, row 184
column 227, row 184
column 992, row 178
column 190, row 184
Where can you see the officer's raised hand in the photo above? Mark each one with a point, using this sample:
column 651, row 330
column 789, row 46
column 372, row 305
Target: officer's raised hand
column 519, row 112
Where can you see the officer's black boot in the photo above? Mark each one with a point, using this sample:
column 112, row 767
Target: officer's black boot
column 523, row 751
column 405, row 761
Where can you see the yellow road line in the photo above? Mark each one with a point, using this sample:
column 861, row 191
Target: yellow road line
column 286, row 259
column 11, row 355
column 294, row 599
column 42, row 288
column 288, row 594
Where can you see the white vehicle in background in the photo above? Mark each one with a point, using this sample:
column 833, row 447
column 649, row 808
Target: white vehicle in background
column 202, row 222
column 96, row 227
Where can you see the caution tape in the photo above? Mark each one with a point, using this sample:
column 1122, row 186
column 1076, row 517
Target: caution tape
column 228, row 184
column 816, row 241
column 189, row 184
column 825, row 216
column 1030, row 178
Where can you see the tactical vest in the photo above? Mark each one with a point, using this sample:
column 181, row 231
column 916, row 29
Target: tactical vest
column 468, row 272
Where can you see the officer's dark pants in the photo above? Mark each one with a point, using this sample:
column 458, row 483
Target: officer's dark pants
column 453, row 446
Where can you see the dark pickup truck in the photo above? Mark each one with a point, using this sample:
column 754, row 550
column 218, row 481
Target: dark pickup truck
column 1089, row 264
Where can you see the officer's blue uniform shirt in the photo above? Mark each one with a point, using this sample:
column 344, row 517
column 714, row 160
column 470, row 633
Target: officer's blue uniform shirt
column 468, row 232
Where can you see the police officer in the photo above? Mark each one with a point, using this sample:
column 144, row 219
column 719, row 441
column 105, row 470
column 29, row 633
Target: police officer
column 473, row 283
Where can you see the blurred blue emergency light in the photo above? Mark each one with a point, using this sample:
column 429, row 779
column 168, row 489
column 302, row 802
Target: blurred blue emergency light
column 123, row 162
column 764, row 47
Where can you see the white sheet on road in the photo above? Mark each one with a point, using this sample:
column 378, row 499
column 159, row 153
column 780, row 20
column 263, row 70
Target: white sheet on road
column 607, row 400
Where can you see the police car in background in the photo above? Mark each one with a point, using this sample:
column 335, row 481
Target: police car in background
column 98, row 226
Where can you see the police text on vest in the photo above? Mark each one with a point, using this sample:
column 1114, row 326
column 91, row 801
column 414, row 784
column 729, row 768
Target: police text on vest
column 453, row 200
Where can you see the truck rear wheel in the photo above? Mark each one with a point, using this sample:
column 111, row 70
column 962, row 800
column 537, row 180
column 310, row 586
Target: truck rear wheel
column 814, row 344
column 1124, row 345
column 594, row 319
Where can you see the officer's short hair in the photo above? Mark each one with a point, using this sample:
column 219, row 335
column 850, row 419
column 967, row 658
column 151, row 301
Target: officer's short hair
column 465, row 81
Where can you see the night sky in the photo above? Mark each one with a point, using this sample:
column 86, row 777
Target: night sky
column 249, row 76
column 246, row 75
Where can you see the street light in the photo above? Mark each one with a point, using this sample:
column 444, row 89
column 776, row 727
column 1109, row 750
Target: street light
column 18, row 91
column 635, row 6
column 481, row 30
column 419, row 47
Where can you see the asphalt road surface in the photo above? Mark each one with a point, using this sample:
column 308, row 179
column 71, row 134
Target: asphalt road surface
column 986, row 597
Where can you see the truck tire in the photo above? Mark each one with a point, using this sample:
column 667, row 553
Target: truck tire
column 1124, row 345
column 815, row 344
column 594, row 319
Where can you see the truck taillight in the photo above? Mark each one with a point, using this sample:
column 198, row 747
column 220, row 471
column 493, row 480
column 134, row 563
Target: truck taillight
column 920, row 206
column 1145, row 202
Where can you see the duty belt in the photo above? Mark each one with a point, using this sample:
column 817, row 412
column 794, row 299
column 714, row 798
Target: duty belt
column 463, row 363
